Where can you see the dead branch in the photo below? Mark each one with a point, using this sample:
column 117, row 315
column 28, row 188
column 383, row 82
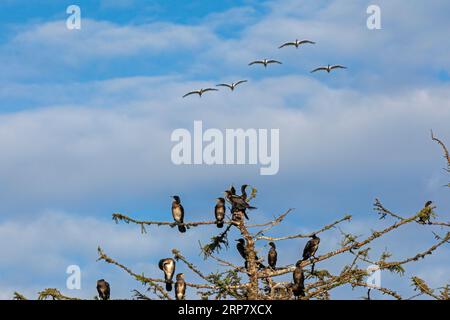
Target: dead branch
column 309, row 235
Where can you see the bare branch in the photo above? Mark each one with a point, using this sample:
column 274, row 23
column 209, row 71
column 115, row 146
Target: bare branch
column 446, row 153
column 309, row 235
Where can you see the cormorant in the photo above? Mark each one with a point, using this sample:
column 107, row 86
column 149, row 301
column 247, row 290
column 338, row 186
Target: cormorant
column 219, row 212
column 180, row 287
column 168, row 267
column 264, row 62
column 200, row 92
column 103, row 289
column 298, row 289
column 243, row 252
column 311, row 247
column 232, row 85
column 329, row 68
column 237, row 205
column 296, row 43
column 237, row 202
column 243, row 192
column 241, row 248
column 178, row 213
column 272, row 256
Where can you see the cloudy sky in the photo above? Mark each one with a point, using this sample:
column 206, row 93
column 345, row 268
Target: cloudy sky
column 86, row 117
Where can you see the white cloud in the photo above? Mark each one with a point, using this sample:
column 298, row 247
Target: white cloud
column 75, row 152
column 42, row 249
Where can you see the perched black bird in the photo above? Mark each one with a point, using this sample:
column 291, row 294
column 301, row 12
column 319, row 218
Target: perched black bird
column 243, row 252
column 272, row 256
column 243, row 192
column 219, row 212
column 237, row 202
column 298, row 289
column 168, row 267
column 232, row 190
column 178, row 213
column 298, row 275
column 311, row 247
column 103, row 289
column 241, row 248
column 180, row 287
column 238, row 205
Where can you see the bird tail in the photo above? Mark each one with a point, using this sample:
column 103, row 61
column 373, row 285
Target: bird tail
column 302, row 292
column 246, row 216
column 219, row 224
column 182, row 228
column 169, row 285
column 251, row 208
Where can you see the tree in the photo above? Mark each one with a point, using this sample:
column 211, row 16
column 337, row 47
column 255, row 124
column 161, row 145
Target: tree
column 256, row 281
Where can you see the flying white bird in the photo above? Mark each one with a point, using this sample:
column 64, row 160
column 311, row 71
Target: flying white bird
column 296, row 43
column 232, row 85
column 264, row 62
column 200, row 92
column 329, row 68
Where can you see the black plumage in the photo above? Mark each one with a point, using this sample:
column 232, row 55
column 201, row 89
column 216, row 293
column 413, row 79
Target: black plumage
column 311, row 247
column 178, row 213
column 240, row 246
column 219, row 212
column 298, row 288
column 180, row 287
column 103, row 289
column 168, row 267
column 237, row 203
column 244, row 192
column 272, row 255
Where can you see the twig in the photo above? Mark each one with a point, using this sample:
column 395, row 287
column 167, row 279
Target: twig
column 309, row 235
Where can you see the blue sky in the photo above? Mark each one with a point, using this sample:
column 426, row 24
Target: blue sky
column 86, row 117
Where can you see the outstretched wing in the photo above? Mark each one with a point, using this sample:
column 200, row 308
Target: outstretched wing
column 338, row 66
column 256, row 62
column 286, row 44
column 239, row 82
column 319, row 69
column 307, row 41
column 224, row 85
column 192, row 92
column 273, row 61
column 210, row 89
